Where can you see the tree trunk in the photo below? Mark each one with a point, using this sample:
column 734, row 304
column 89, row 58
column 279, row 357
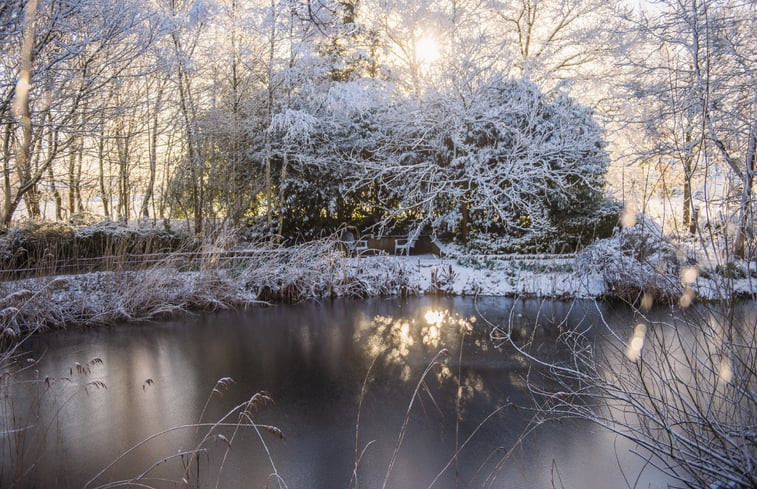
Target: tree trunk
column 746, row 218
column 72, row 183
column 193, row 150
column 31, row 196
column 464, row 221
column 104, row 196
column 74, row 170
column 687, row 174
column 282, row 196
column 56, row 195
column 269, row 119
column 77, row 189
column 153, row 146
column 234, row 201
column 7, row 150
column 163, row 203
column 687, row 222
column 22, row 112
column 123, row 143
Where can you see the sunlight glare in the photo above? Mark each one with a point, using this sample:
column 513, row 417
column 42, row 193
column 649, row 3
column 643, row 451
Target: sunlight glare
column 689, row 275
column 427, row 50
column 629, row 215
column 434, row 317
column 687, row 297
column 647, row 301
column 405, row 330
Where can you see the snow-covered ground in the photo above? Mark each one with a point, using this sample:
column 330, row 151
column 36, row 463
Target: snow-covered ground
column 501, row 277
column 538, row 277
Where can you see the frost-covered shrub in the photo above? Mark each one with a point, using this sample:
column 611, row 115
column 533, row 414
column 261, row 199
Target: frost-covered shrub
column 733, row 270
column 36, row 244
column 114, row 238
column 84, row 218
column 443, row 280
column 318, row 269
column 502, row 171
column 573, row 229
column 492, row 243
column 635, row 260
column 576, row 230
column 32, row 242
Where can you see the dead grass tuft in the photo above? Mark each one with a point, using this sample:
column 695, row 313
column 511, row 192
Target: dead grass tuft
column 216, row 278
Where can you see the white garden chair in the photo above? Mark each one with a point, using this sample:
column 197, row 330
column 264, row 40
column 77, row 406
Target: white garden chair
column 357, row 246
column 403, row 245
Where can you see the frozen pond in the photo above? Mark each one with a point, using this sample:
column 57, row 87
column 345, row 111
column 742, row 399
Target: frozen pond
column 101, row 392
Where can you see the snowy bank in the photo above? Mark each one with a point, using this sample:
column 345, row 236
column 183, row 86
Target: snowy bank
column 545, row 276
column 270, row 274
column 308, row 272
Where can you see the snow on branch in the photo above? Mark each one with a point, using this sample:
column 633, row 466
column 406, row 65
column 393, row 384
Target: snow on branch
column 296, row 126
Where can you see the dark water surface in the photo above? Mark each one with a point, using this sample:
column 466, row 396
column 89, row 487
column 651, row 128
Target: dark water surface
column 312, row 359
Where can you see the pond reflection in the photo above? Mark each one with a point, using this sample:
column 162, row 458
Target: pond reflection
column 324, row 365
column 401, row 343
column 395, row 339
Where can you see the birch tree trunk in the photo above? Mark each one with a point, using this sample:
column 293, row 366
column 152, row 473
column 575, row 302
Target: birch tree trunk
column 7, row 155
column 22, row 113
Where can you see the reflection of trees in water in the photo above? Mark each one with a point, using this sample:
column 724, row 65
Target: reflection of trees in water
column 406, row 343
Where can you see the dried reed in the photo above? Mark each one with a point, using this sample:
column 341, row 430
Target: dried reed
column 243, row 412
column 217, row 277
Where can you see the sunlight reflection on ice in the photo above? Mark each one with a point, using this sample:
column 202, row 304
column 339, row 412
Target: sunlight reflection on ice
column 402, row 342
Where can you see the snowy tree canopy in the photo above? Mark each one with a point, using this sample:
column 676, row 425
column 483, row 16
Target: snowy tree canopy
column 305, row 115
column 509, row 164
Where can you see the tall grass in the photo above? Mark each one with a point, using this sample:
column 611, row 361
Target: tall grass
column 28, row 439
column 42, row 248
column 209, row 279
column 240, row 417
column 28, row 426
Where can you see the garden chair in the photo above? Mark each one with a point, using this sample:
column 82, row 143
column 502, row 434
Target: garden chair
column 403, row 245
column 356, row 246
column 349, row 237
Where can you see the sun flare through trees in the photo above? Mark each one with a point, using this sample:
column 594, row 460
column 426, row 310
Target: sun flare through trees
column 222, row 111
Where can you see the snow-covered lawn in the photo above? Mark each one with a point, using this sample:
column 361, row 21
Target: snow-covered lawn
column 539, row 277
column 510, row 276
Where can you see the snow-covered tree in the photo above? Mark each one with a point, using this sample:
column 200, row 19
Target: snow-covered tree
column 552, row 40
column 63, row 55
column 344, row 122
column 502, row 172
column 693, row 69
